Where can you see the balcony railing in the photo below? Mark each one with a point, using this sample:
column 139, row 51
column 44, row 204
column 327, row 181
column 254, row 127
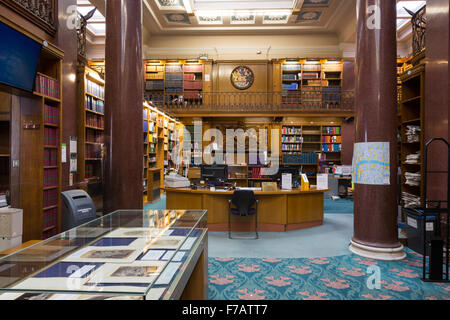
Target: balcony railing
column 40, row 12
column 263, row 102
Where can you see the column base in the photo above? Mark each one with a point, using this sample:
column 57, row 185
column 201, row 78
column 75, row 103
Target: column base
column 377, row 253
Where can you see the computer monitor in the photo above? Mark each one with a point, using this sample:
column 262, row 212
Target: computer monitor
column 294, row 170
column 214, row 172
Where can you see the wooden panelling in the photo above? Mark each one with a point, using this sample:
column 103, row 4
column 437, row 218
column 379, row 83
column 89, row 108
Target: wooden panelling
column 277, row 211
column 31, row 160
column 183, row 201
column 305, row 208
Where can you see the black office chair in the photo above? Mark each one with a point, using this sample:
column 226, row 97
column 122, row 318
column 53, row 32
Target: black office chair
column 244, row 201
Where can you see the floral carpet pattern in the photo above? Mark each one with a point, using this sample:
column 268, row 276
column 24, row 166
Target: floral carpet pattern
column 347, row 277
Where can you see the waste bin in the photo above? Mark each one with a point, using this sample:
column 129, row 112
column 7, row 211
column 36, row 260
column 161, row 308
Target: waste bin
column 78, row 208
column 414, row 229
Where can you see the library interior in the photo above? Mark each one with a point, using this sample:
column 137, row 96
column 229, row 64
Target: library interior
column 224, row 150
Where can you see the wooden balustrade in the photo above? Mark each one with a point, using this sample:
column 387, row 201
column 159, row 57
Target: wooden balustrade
column 259, row 102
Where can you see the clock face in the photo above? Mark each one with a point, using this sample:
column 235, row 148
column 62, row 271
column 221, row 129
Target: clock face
column 242, row 77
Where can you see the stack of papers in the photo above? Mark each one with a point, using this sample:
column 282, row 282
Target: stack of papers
column 412, row 133
column 413, row 158
column 412, row 179
column 410, row 200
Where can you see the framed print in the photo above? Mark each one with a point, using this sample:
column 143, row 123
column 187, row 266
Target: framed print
column 242, row 77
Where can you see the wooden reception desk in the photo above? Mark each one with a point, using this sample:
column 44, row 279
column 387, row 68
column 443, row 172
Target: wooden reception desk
column 278, row 211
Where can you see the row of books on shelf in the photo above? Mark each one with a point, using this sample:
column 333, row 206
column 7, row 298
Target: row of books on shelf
column 291, row 147
column 311, row 75
column 193, row 85
column 305, row 157
column 51, row 114
column 50, row 218
column 312, row 67
column 154, row 68
column 154, row 76
column 332, row 139
column 154, row 85
column 291, row 130
column 51, row 136
column 95, row 89
column 94, row 136
column 331, row 130
column 95, row 104
column 89, row 171
column 93, row 151
column 174, row 68
column 49, row 233
column 94, row 120
column 46, row 86
column 331, row 147
column 291, row 139
column 192, row 77
column 292, row 76
column 50, row 177
column 50, row 157
column 257, row 173
column 50, row 197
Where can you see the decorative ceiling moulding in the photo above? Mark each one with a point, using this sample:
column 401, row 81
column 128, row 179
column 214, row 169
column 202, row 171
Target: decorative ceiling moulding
column 275, row 19
column 243, row 19
column 170, row 4
column 309, row 16
column 210, row 19
column 178, row 18
column 316, row 3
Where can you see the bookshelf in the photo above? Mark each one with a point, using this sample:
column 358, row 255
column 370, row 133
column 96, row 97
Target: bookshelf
column 304, row 145
column 48, row 92
column 91, row 119
column 5, row 150
column 173, row 81
column 412, row 136
column 311, row 83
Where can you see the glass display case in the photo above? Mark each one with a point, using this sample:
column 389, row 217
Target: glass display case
column 128, row 254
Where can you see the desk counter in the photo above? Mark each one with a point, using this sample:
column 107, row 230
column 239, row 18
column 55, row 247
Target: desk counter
column 278, row 211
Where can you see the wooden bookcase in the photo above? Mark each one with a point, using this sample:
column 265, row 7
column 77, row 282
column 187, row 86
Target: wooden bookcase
column 160, row 137
column 412, row 120
column 301, row 142
column 45, row 161
column 91, row 109
column 5, row 143
column 311, row 83
column 173, row 81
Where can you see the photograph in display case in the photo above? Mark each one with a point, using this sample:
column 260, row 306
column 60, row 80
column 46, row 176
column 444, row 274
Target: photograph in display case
column 122, row 254
column 136, row 272
column 139, row 233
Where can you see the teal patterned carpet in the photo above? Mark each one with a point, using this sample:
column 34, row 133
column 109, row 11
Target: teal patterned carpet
column 347, row 277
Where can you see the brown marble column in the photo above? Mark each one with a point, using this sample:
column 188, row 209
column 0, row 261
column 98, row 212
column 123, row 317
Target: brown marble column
column 375, row 216
column 123, row 106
